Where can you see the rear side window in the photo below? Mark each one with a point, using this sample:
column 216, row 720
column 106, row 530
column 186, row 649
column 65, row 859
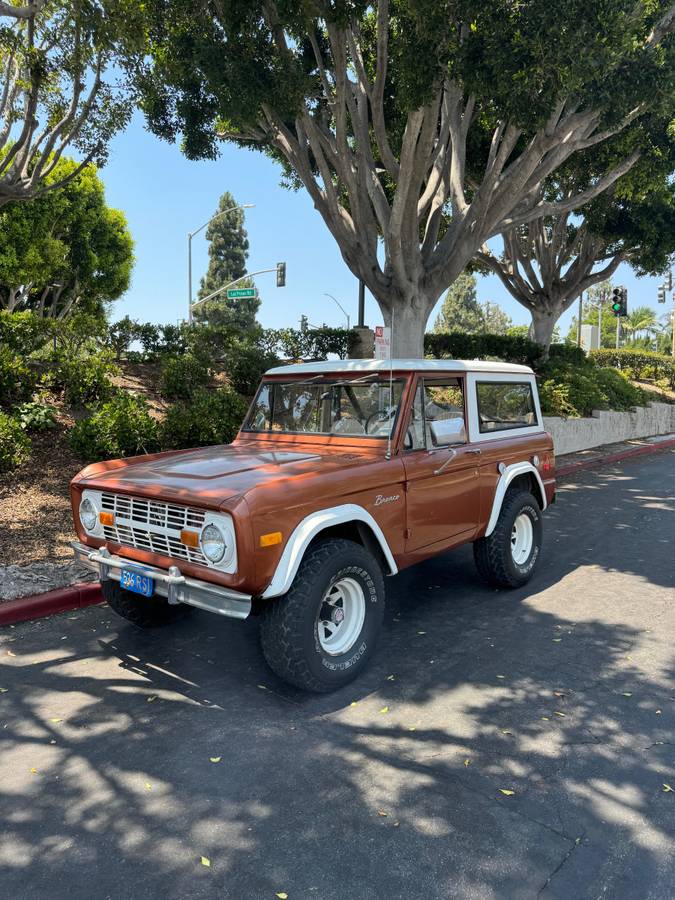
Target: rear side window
column 503, row 405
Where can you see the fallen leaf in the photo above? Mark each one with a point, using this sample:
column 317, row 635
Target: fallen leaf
column 33, row 771
column 382, row 813
column 558, row 694
column 152, row 699
column 506, row 792
column 501, row 676
column 3, row 690
column 557, row 640
column 396, row 824
column 282, row 895
column 626, row 693
column 504, row 731
column 215, row 759
column 412, row 728
column 11, row 653
column 467, row 762
column 385, row 709
column 658, row 712
column 205, row 861
column 262, row 687
column 148, row 786
column 391, row 678
column 419, row 632
column 354, row 703
column 546, row 718
column 667, row 789
column 558, row 713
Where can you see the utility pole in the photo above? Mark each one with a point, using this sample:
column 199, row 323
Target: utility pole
column 618, row 331
column 581, row 310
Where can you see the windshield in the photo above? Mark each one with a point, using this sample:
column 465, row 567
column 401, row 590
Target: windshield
column 358, row 407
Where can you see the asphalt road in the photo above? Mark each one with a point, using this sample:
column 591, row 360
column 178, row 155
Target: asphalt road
column 562, row 693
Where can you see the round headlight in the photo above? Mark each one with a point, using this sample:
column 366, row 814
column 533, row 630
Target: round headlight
column 88, row 515
column 213, row 543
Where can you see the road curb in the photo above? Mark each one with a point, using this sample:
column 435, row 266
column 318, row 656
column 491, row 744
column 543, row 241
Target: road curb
column 36, row 606
column 582, row 464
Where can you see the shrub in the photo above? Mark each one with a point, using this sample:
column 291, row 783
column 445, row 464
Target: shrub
column 244, row 365
column 14, row 443
column 24, row 332
column 17, row 379
column 211, row 417
column 572, row 390
column 181, row 376
column 642, row 365
column 121, row 427
column 457, row 345
column 36, row 415
column 84, row 379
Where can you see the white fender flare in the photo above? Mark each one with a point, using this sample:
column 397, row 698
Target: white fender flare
column 509, row 473
column 308, row 529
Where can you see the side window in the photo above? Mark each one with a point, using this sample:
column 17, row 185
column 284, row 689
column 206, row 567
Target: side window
column 504, row 405
column 444, row 413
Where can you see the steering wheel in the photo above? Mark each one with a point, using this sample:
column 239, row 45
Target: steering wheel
column 380, row 415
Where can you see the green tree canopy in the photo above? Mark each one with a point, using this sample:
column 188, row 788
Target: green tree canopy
column 65, row 251
column 228, row 252
column 462, row 312
column 420, row 128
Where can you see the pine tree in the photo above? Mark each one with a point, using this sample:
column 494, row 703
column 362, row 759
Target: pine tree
column 228, row 252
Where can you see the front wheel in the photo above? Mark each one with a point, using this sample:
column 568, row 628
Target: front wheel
column 322, row 633
column 507, row 557
column 145, row 612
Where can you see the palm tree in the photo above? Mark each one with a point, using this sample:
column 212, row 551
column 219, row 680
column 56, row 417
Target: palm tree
column 642, row 319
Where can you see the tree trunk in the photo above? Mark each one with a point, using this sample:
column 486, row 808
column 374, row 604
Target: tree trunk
column 543, row 324
column 407, row 319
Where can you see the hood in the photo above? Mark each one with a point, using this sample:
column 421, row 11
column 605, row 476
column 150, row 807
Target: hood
column 212, row 475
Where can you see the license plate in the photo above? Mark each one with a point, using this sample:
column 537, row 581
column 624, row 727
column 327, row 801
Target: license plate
column 137, row 583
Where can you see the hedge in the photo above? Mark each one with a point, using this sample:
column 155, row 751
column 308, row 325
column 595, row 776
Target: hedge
column 642, row 365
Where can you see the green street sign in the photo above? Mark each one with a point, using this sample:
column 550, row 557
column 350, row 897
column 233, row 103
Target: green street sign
column 241, row 293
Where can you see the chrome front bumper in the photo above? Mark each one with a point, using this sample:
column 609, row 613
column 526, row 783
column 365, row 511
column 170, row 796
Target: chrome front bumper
column 171, row 584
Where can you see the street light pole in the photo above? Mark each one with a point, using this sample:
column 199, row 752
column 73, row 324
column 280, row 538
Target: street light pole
column 341, row 307
column 191, row 234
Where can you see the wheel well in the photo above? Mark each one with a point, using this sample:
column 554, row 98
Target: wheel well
column 360, row 533
column 527, row 482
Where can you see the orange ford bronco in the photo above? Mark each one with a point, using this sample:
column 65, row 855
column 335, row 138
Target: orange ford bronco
column 343, row 472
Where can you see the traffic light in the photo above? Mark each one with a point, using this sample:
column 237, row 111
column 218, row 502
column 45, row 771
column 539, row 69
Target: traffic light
column 669, row 280
column 620, row 302
column 661, row 293
column 281, row 274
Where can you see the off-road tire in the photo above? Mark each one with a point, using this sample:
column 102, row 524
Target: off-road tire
column 492, row 554
column 145, row 612
column 288, row 627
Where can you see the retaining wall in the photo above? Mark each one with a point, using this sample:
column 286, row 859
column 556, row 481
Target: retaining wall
column 606, row 427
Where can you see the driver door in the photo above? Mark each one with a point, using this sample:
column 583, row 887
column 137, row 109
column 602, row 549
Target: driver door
column 442, row 483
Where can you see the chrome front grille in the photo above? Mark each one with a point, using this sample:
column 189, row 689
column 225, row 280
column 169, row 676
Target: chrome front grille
column 152, row 525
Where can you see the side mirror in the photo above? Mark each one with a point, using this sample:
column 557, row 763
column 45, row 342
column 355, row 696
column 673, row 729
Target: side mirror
column 448, row 431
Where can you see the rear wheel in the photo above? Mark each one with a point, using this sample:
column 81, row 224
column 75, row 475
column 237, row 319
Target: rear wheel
column 322, row 633
column 146, row 612
column 507, row 558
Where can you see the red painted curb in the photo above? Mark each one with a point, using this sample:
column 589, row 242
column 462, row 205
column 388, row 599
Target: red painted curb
column 61, row 600
column 613, row 457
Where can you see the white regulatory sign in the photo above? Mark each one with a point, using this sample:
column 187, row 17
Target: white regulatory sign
column 382, row 342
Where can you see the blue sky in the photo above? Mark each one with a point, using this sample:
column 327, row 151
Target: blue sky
column 164, row 196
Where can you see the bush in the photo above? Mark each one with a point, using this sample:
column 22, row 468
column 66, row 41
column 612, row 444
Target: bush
column 121, row 427
column 14, row 444
column 181, row 376
column 211, row 417
column 457, row 345
column 572, row 390
column 36, row 415
column 245, row 364
column 642, row 365
column 17, row 379
column 83, row 379
column 24, row 332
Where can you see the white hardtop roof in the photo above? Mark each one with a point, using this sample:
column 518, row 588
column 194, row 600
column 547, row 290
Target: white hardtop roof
column 398, row 365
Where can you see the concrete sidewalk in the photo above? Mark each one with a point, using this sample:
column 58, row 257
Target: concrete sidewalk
column 587, row 459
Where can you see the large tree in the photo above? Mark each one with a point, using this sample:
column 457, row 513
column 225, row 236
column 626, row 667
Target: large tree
column 228, row 252
column 65, row 251
column 420, row 128
column 60, row 86
column 461, row 310
column 548, row 262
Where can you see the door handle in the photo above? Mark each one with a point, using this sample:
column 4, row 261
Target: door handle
column 452, row 455
column 475, row 452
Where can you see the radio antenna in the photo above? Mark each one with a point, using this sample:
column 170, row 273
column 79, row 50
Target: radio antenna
column 391, row 385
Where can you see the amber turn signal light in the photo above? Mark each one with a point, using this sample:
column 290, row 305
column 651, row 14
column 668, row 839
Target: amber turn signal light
column 106, row 518
column 189, row 538
column 269, row 540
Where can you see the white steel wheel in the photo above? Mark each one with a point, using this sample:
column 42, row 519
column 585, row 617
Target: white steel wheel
column 341, row 617
column 522, row 536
